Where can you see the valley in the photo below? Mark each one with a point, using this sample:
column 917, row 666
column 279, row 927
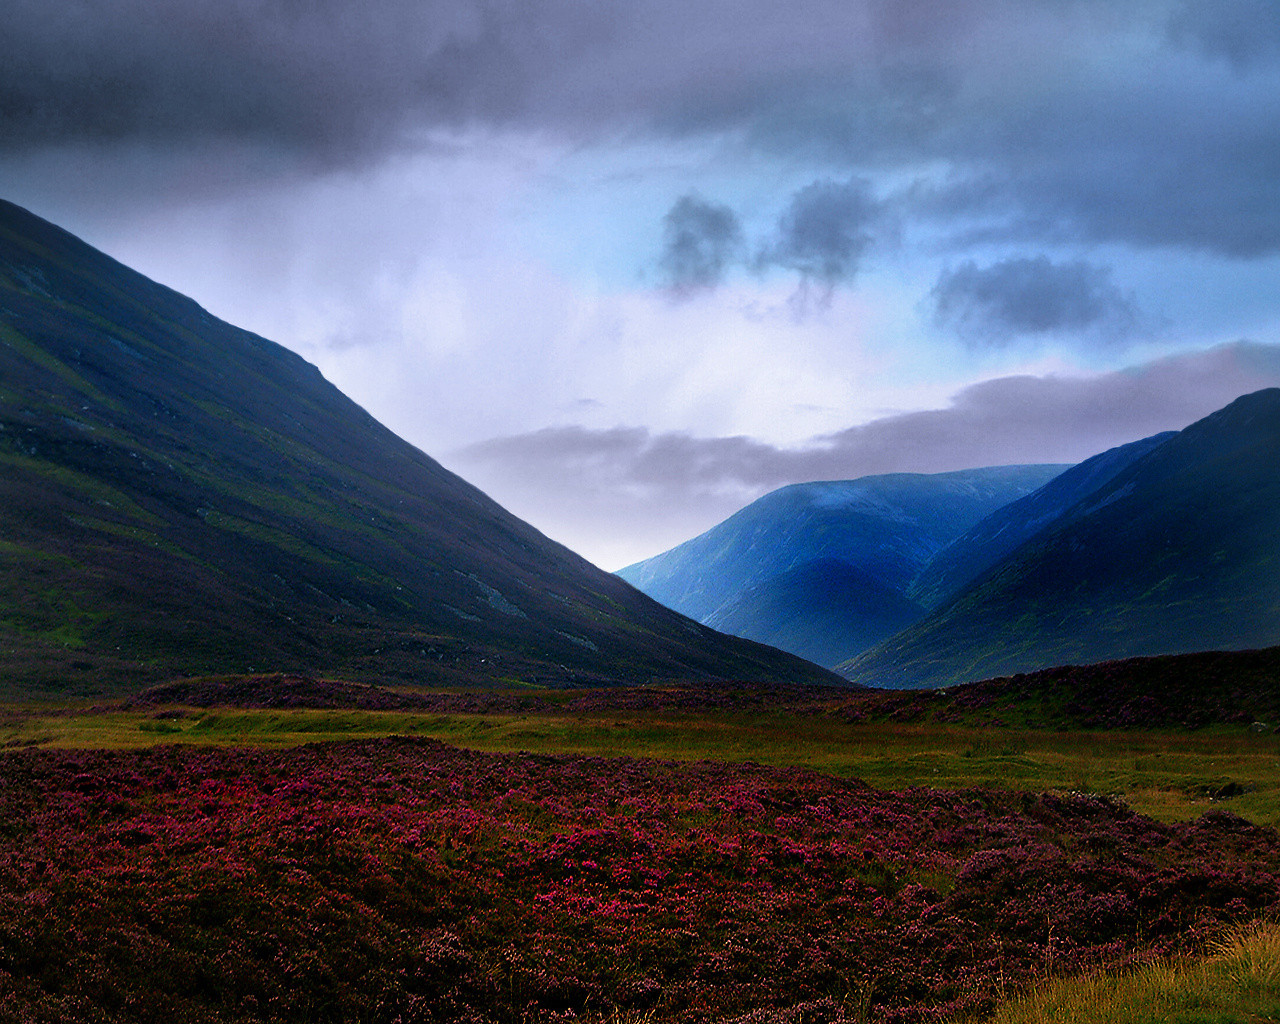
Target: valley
column 296, row 725
column 541, row 512
column 179, row 496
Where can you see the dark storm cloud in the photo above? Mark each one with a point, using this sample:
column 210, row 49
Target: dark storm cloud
column 1031, row 122
column 1019, row 296
column 1154, row 124
column 1164, row 166
column 1003, row 421
column 700, row 239
column 324, row 78
column 824, row 231
column 329, row 73
column 1046, row 122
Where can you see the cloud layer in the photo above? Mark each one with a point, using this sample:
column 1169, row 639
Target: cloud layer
column 627, row 474
column 474, row 213
column 1157, row 127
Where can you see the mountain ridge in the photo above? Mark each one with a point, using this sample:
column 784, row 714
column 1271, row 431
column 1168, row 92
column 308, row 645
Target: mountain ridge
column 749, row 572
column 1008, row 527
column 1176, row 553
column 178, row 496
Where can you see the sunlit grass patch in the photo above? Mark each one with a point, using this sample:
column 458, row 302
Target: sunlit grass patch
column 1237, row 983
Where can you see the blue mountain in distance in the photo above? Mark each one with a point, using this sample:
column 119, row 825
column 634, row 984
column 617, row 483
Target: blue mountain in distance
column 1009, row 527
column 181, row 497
column 1178, row 552
column 823, row 569
column 821, row 609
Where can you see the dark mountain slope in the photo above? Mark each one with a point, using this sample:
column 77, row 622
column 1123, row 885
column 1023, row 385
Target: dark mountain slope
column 180, row 496
column 1009, row 527
column 1178, row 552
column 820, row 610
column 786, row 565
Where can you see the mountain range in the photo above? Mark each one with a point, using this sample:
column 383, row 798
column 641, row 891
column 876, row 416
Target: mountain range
column 179, row 496
column 1177, row 552
column 824, row 569
column 1166, row 545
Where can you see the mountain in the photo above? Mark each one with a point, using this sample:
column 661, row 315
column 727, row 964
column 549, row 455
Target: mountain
column 821, row 610
column 178, row 496
column 1009, row 527
column 822, row 569
column 1178, row 552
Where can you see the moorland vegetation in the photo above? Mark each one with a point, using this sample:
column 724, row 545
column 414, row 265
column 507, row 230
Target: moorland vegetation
column 288, row 848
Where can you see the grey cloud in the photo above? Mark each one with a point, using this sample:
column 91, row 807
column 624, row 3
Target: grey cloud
column 1167, row 155
column 1145, row 155
column 700, row 240
column 1044, row 120
column 1125, row 140
column 822, row 236
column 824, row 231
column 627, row 456
column 1020, row 296
column 1120, row 139
column 1244, row 32
column 1001, row 421
column 1056, row 419
column 330, row 74
column 324, row 79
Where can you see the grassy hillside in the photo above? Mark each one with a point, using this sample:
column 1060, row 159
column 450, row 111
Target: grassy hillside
column 178, row 496
column 1178, row 552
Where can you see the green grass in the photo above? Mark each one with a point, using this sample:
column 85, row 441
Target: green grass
column 130, row 531
column 82, row 485
column 30, row 350
column 1166, row 775
column 49, row 614
column 1237, row 983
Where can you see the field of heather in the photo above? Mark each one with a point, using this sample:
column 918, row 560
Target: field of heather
column 401, row 879
column 1171, row 737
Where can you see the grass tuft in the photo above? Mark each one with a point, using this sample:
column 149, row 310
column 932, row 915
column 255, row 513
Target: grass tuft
column 1236, row 983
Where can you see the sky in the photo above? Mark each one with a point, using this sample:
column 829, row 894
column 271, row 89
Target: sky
column 627, row 266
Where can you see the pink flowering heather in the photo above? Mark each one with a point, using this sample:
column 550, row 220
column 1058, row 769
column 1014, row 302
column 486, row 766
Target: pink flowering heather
column 404, row 880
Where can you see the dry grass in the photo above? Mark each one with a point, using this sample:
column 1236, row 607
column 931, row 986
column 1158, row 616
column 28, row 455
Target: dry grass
column 1238, row 982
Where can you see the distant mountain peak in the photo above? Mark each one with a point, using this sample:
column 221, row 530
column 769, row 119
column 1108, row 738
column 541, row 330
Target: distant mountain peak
column 782, row 569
